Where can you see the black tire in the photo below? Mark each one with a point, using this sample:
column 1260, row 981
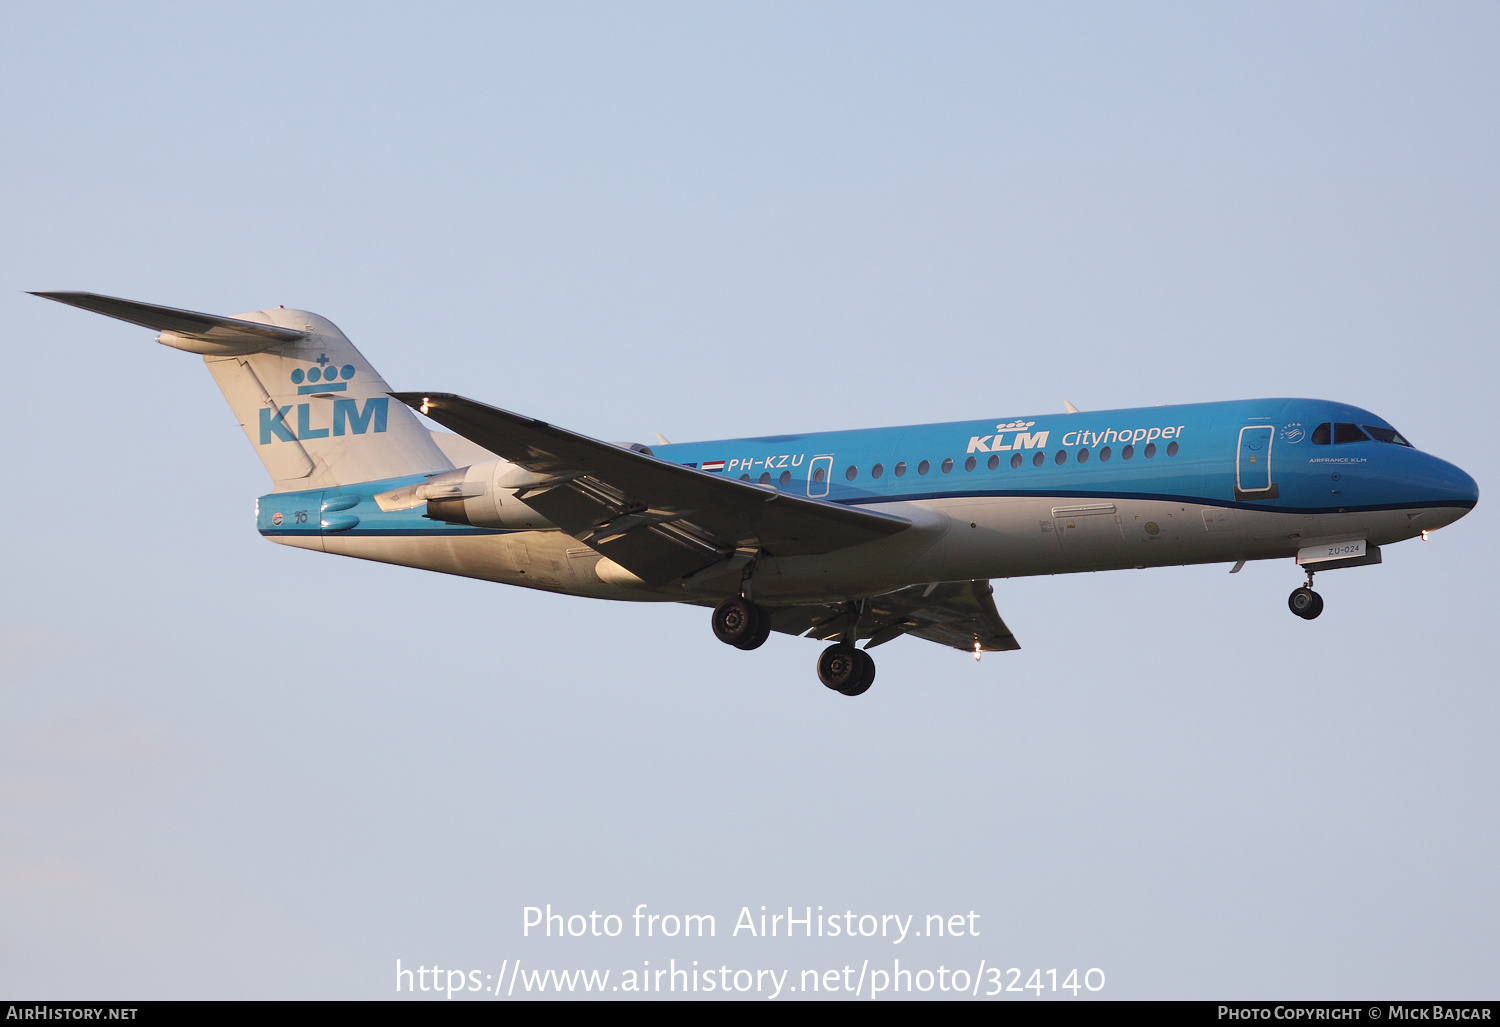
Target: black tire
column 1305, row 603
column 840, row 666
column 734, row 621
column 866, row 675
column 762, row 629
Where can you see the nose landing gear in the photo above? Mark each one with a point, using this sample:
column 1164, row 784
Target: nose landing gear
column 1304, row 602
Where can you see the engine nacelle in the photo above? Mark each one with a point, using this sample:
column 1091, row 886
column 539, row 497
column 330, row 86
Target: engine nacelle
column 482, row 495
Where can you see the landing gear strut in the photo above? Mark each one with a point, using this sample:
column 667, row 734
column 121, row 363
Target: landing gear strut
column 1304, row 602
column 843, row 668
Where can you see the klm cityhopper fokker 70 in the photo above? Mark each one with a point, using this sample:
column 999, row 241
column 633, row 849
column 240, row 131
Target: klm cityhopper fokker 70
column 840, row 536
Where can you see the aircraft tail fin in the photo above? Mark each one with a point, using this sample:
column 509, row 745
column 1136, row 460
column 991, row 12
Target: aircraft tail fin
column 313, row 408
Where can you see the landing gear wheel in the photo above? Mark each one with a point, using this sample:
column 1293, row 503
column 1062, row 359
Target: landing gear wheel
column 734, row 621
column 846, row 669
column 762, row 629
column 866, row 676
column 1305, row 603
column 838, row 666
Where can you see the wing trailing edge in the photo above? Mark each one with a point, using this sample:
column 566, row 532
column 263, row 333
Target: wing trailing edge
column 659, row 520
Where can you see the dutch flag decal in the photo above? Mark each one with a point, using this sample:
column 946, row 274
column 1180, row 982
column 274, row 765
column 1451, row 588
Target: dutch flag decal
column 713, row 465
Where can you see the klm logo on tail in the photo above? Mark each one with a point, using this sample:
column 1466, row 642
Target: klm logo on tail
column 348, row 416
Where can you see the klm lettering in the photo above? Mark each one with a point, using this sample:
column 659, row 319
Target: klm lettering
column 348, row 417
column 1023, row 440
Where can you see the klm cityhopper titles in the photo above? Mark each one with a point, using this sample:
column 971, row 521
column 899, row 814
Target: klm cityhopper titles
column 840, row 536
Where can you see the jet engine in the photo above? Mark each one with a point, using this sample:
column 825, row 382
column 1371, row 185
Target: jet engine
column 482, row 495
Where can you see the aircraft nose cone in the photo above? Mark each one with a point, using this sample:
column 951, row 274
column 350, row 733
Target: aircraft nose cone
column 1466, row 488
column 1452, row 487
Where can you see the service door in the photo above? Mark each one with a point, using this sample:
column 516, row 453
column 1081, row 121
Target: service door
column 1252, row 465
column 819, row 470
column 1091, row 536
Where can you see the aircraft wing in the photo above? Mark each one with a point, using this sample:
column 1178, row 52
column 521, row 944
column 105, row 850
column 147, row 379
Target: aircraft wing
column 951, row 613
column 659, row 520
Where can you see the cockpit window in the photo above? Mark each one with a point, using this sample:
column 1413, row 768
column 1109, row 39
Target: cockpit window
column 1323, row 434
column 1390, row 435
column 1343, row 433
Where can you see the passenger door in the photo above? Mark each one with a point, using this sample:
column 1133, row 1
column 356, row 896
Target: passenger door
column 1252, row 463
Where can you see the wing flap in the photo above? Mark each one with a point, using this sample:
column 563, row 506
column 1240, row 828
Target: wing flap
column 956, row 614
column 959, row 614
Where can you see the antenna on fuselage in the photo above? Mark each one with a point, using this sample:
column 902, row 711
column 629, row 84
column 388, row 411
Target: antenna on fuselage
column 1069, row 407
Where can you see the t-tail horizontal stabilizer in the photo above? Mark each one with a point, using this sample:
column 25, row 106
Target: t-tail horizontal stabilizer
column 315, row 411
column 208, row 334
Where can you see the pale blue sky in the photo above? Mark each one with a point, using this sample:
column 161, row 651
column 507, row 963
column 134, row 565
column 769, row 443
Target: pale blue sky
column 233, row 769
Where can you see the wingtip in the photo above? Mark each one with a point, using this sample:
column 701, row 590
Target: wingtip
column 69, row 297
column 418, row 401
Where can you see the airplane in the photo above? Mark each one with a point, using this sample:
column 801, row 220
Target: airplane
column 844, row 536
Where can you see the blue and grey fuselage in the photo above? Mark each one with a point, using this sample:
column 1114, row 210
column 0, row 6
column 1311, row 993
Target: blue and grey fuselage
column 849, row 535
column 1039, row 494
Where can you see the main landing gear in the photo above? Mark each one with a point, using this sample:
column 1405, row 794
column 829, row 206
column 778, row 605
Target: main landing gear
column 739, row 622
column 1304, row 602
column 845, row 669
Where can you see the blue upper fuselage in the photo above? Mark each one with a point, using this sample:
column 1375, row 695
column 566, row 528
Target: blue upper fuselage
column 1283, row 455
column 1267, row 453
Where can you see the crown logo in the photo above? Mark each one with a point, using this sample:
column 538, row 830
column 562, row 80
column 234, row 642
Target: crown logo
column 1014, row 425
column 327, row 376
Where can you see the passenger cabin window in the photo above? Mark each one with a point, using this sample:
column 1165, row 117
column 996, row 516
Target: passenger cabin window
column 1390, row 435
column 1343, row 433
column 1323, row 434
